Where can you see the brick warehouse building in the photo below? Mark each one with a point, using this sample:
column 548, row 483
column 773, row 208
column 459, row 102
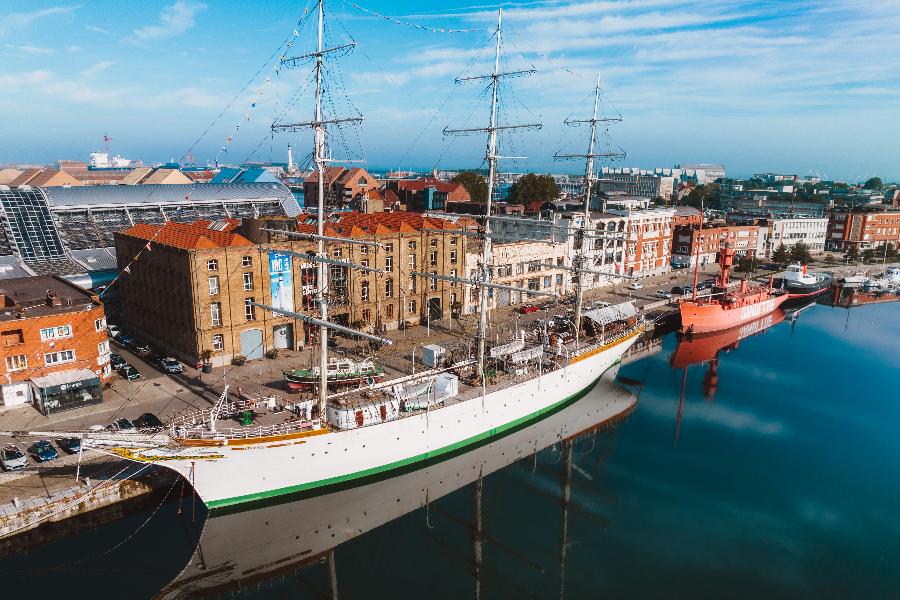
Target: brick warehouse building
column 189, row 291
column 688, row 240
column 861, row 228
column 55, row 349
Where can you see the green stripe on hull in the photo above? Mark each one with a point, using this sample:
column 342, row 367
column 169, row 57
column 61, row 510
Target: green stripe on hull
column 336, row 484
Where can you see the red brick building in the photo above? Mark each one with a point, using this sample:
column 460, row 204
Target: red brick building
column 342, row 185
column 861, row 228
column 688, row 216
column 688, row 241
column 427, row 193
column 55, row 349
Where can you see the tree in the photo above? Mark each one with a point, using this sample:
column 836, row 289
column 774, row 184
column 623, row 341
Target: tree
column 747, row 264
column 781, row 255
column 800, row 253
column 873, row 184
column 533, row 188
column 830, row 259
column 868, row 254
column 474, row 183
column 853, row 253
column 702, row 195
column 887, row 251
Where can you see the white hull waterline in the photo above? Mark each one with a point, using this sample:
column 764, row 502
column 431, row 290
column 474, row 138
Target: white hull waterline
column 229, row 472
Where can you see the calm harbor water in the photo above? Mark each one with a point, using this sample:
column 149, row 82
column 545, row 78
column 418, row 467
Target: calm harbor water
column 775, row 475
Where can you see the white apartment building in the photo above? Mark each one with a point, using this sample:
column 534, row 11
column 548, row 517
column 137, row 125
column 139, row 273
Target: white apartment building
column 810, row 231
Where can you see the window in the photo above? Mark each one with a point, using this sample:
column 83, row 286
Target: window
column 100, row 324
column 434, row 243
column 248, row 282
column 364, row 262
column 559, row 280
column 338, row 252
column 452, row 299
column 559, row 261
column 365, row 292
column 103, row 348
column 363, row 249
column 215, row 310
column 453, row 256
column 453, row 241
column 56, row 358
column 212, row 265
column 12, row 337
column 412, row 307
column 16, row 363
column 547, row 281
column 389, row 263
column 452, row 274
column 412, row 261
column 367, row 315
column 389, row 288
column 412, row 284
column 246, row 261
column 520, row 268
column 56, row 333
column 389, row 311
column 214, row 286
column 433, row 258
column 218, row 342
column 389, row 247
column 412, row 244
column 433, row 281
column 249, row 310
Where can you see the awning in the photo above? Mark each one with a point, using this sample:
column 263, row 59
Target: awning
column 610, row 314
column 64, row 378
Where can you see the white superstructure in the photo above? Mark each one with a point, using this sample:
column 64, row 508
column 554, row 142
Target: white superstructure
column 101, row 160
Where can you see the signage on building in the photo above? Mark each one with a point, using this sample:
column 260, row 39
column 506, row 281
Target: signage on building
column 281, row 283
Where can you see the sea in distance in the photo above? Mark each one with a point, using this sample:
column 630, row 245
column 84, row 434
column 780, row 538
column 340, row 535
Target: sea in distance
column 762, row 467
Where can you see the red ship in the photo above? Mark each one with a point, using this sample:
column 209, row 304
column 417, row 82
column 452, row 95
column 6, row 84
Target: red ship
column 723, row 309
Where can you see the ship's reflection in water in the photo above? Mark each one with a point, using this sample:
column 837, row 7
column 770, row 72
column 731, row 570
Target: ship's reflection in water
column 411, row 532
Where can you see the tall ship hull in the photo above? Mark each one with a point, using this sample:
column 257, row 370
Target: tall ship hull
column 237, row 549
column 234, row 470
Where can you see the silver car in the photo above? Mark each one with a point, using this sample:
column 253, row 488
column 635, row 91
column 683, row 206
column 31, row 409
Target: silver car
column 12, row 458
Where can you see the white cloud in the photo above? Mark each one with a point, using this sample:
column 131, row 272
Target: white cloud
column 16, row 20
column 97, row 68
column 31, row 49
column 174, row 20
column 97, row 29
column 714, row 414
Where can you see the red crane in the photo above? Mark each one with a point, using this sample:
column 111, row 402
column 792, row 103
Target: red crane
column 107, row 140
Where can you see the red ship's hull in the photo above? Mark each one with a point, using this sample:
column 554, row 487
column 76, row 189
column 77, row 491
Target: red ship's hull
column 699, row 317
column 704, row 347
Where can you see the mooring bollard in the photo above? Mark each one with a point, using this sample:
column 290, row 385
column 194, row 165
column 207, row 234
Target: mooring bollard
column 87, row 481
column 16, row 502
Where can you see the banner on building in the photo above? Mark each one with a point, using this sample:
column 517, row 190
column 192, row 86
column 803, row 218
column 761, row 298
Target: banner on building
column 281, row 284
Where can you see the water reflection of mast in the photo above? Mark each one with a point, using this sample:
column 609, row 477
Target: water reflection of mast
column 566, row 489
column 680, row 406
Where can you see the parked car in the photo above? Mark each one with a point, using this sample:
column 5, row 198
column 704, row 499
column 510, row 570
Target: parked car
column 12, row 458
column 549, row 304
column 129, row 372
column 148, row 420
column 170, row 365
column 702, row 286
column 116, row 361
column 636, row 285
column 601, row 304
column 138, row 346
column 663, row 294
column 43, row 451
column 70, row 445
column 155, row 358
column 123, row 425
column 528, row 308
column 122, row 339
column 568, row 300
column 112, row 331
column 688, row 289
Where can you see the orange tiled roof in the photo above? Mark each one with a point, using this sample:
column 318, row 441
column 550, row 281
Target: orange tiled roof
column 188, row 237
column 355, row 223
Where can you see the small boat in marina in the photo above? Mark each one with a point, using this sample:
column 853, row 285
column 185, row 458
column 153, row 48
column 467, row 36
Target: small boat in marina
column 341, row 371
column 800, row 283
column 858, row 278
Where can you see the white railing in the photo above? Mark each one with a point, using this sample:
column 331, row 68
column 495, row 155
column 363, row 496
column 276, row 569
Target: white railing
column 232, row 433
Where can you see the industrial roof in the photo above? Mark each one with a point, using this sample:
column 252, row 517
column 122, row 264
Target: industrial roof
column 96, row 259
column 117, row 195
column 11, row 268
column 182, row 235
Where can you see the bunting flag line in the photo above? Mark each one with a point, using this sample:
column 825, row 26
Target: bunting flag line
column 550, row 61
column 422, row 27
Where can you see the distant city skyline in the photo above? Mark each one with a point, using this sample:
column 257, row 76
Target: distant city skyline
column 806, row 89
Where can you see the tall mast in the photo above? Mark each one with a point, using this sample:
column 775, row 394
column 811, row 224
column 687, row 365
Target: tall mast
column 492, row 162
column 588, row 180
column 320, row 226
column 492, row 167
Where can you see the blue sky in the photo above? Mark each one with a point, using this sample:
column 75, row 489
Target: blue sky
column 792, row 87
